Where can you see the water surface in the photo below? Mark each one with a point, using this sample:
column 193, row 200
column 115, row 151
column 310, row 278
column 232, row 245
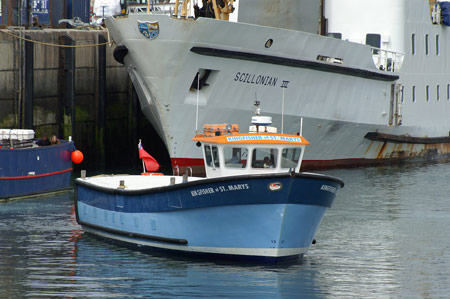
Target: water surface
column 385, row 236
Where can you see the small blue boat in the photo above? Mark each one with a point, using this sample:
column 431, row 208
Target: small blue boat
column 27, row 169
column 253, row 204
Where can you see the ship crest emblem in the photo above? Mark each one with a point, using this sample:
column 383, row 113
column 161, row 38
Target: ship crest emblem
column 149, row 29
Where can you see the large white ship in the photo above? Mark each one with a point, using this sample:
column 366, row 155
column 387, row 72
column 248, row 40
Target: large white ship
column 369, row 78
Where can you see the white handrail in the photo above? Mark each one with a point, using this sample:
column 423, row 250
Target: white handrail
column 386, row 60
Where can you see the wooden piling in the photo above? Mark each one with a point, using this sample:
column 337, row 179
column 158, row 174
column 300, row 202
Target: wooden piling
column 101, row 99
column 29, row 83
column 66, row 86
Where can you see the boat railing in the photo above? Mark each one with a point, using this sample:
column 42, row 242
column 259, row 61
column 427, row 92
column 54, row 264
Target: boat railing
column 176, row 170
column 11, row 143
column 389, row 61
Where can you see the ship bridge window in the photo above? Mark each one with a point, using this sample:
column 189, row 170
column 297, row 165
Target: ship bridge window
column 373, row 40
column 413, row 44
column 264, row 158
column 212, row 154
column 335, row 35
column 289, row 157
column 235, row 157
column 426, row 44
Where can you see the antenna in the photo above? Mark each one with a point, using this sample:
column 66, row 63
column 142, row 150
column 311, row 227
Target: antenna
column 258, row 110
column 301, row 127
column 198, row 95
column 282, row 112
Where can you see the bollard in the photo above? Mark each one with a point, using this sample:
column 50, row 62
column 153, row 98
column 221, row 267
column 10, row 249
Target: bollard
column 122, row 184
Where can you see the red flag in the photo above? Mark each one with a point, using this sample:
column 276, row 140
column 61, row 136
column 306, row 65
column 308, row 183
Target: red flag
column 150, row 163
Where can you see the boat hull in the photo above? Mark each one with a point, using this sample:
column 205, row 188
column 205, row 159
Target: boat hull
column 31, row 171
column 227, row 217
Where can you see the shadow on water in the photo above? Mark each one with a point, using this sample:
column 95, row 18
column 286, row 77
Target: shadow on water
column 174, row 276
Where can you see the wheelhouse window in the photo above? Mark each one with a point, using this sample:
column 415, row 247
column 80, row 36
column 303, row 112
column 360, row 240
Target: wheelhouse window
column 426, row 44
column 212, row 154
column 413, row 44
column 290, row 157
column 428, row 93
column 414, row 94
column 438, row 93
column 235, row 157
column 264, row 158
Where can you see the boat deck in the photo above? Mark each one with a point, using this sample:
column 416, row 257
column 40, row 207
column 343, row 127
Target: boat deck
column 135, row 182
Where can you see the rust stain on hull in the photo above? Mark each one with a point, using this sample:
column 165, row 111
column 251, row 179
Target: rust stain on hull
column 415, row 152
column 405, row 147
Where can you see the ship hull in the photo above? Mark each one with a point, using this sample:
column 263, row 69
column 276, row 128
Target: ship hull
column 340, row 100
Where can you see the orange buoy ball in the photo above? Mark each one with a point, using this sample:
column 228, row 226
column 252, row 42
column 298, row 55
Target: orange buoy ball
column 77, row 157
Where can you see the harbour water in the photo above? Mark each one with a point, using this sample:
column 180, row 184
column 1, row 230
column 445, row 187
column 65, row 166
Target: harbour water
column 385, row 236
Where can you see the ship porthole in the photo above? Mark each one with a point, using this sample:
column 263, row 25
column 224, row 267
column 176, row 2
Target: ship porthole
column 269, row 43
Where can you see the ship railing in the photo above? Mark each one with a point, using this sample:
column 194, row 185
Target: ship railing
column 176, row 170
column 188, row 169
column 184, row 9
column 161, row 8
column 388, row 61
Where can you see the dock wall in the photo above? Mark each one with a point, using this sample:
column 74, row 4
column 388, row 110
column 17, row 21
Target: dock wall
column 78, row 91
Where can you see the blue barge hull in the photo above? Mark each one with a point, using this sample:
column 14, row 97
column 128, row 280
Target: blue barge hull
column 35, row 170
